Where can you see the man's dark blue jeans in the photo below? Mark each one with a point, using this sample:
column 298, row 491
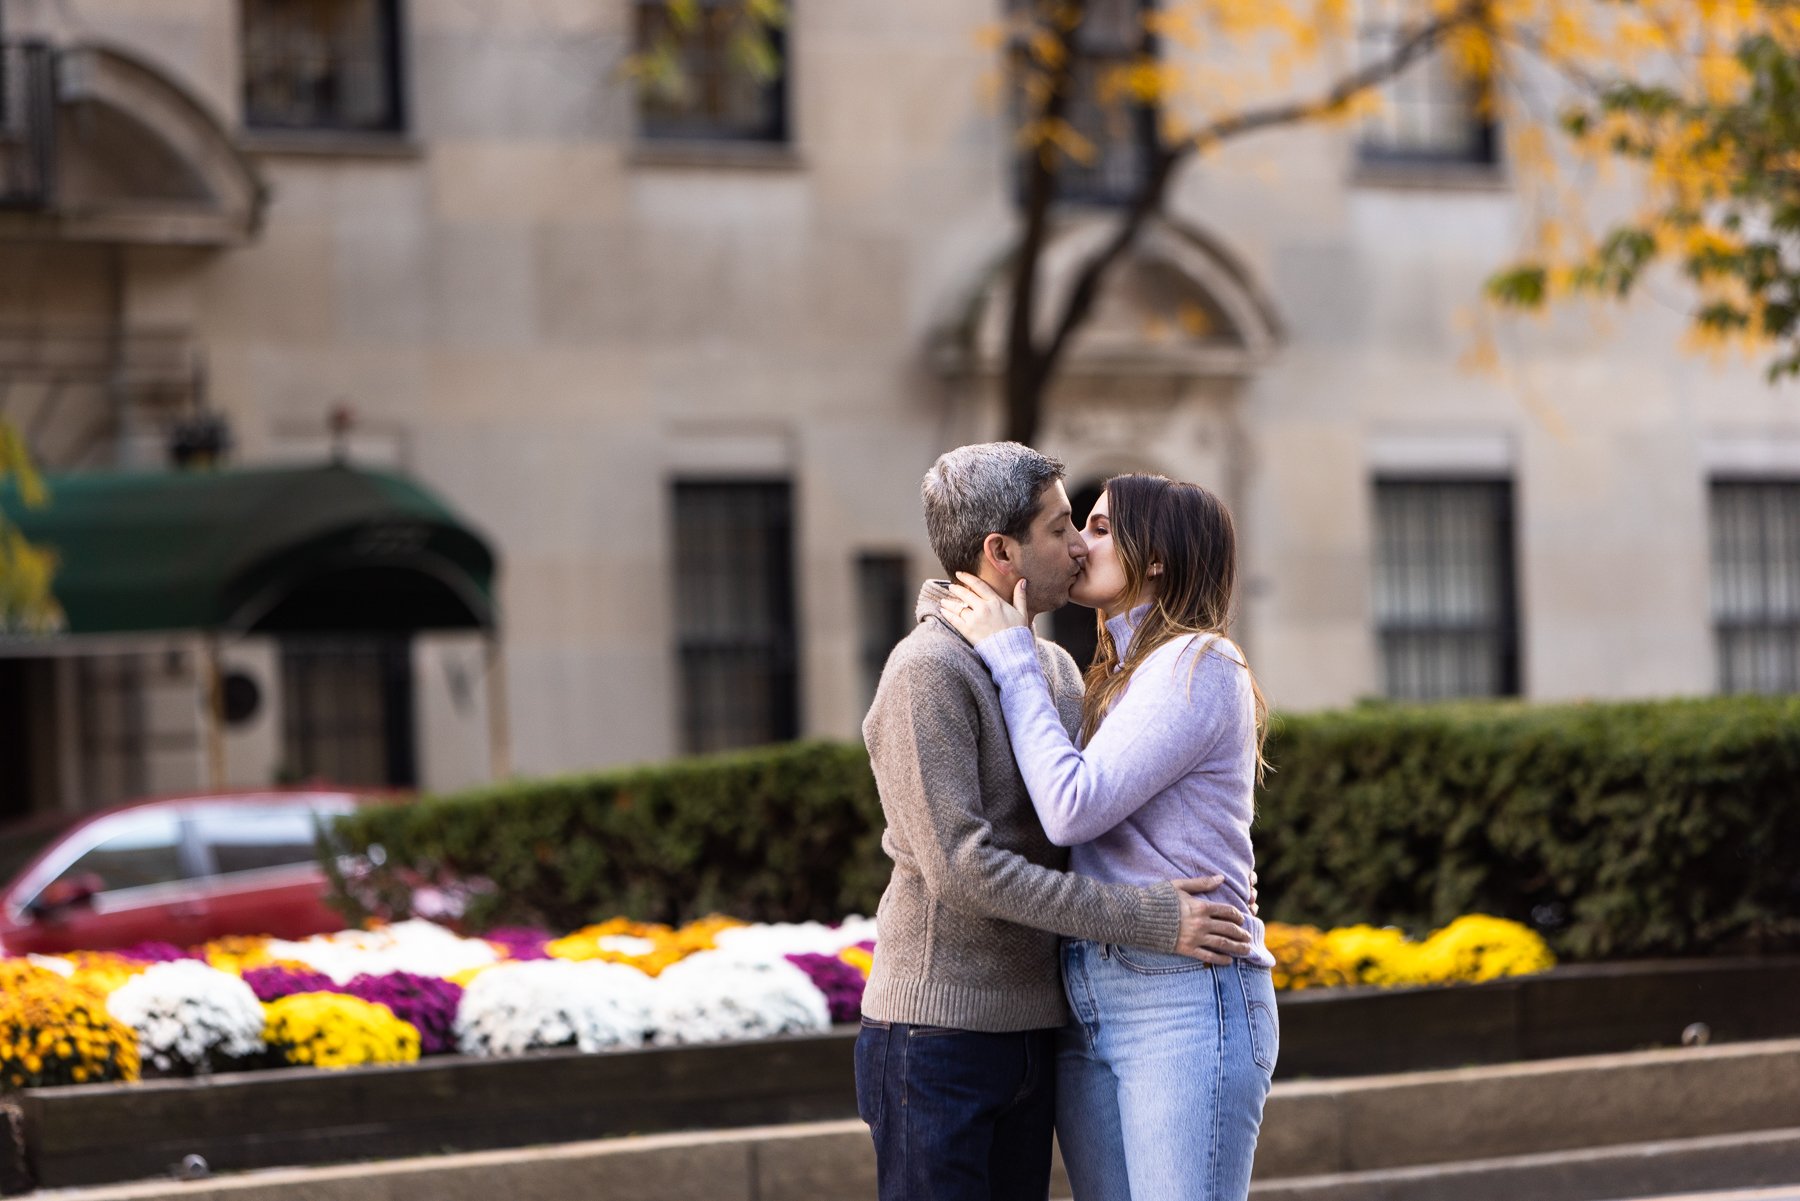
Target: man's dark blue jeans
column 958, row 1115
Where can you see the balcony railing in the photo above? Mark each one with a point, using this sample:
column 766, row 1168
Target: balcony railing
column 27, row 124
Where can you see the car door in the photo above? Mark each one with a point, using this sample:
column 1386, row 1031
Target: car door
column 145, row 876
column 263, row 870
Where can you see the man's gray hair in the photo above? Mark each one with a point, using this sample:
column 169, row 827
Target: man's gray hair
column 974, row 491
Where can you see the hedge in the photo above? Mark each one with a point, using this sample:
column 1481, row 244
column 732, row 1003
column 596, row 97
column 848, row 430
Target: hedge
column 1654, row 828
column 1618, row 830
column 781, row 833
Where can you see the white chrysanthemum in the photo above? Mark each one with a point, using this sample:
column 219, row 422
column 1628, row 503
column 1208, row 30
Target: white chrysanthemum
column 53, row 963
column 421, row 947
column 188, row 1014
column 714, row 997
column 536, row 1004
column 773, row 943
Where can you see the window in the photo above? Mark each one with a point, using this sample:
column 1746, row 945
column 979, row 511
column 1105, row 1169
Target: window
column 722, row 79
column 885, row 597
column 735, row 622
column 1431, row 114
column 143, row 849
column 253, row 839
column 1122, row 135
column 1444, row 607
column 27, row 123
column 322, row 65
column 347, row 710
column 1756, row 585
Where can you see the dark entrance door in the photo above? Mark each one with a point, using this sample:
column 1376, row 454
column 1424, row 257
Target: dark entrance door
column 347, row 709
column 1073, row 626
column 27, row 737
column 15, row 741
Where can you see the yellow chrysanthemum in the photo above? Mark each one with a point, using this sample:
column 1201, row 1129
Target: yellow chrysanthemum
column 103, row 972
column 237, row 953
column 648, row 946
column 1300, row 959
column 1476, row 948
column 331, row 1030
column 56, row 1031
column 860, row 958
column 1378, row 955
column 701, row 934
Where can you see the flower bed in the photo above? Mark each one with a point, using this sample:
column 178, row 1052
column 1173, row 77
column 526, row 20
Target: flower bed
column 392, row 993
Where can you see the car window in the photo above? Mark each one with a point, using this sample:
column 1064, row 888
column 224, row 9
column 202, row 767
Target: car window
column 140, row 850
column 250, row 839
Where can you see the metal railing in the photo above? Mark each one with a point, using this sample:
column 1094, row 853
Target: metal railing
column 27, row 124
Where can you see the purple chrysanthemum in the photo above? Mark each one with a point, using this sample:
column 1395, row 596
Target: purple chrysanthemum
column 273, row 983
column 521, row 942
column 842, row 984
column 154, row 952
column 426, row 1001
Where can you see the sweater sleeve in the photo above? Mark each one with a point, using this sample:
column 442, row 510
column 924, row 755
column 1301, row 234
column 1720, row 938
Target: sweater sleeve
column 1163, row 726
column 923, row 748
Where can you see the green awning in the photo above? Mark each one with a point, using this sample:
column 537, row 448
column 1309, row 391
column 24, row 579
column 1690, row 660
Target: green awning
column 308, row 548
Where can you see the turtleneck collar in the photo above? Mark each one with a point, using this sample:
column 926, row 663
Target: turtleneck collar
column 931, row 593
column 1124, row 626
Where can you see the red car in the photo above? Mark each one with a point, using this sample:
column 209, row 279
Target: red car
column 179, row 869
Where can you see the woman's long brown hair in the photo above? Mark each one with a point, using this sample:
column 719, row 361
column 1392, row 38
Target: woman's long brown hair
column 1189, row 531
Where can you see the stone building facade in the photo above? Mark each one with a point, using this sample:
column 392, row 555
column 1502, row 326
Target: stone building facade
column 684, row 364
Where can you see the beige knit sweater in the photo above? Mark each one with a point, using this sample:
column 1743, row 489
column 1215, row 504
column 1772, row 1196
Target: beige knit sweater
column 969, row 923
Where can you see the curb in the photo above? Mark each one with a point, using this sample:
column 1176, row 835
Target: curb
column 1585, row 1129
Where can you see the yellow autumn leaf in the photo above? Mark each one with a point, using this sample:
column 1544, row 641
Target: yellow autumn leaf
column 1722, row 78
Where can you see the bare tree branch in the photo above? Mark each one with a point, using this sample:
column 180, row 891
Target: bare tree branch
column 1408, row 50
column 1150, row 200
column 1024, row 375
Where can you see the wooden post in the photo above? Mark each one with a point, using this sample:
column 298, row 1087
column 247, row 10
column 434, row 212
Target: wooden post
column 499, row 728
column 214, row 683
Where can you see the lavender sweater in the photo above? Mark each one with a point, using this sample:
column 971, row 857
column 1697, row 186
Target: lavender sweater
column 1165, row 788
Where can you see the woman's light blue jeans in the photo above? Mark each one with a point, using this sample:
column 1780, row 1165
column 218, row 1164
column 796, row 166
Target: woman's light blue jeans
column 1161, row 1074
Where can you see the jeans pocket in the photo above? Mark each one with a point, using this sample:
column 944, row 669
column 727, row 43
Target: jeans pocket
column 871, row 1071
column 1156, row 963
column 1259, row 1011
column 933, row 1032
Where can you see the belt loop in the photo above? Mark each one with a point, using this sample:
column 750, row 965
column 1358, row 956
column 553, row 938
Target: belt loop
column 1106, row 950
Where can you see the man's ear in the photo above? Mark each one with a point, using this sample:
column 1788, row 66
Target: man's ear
column 998, row 552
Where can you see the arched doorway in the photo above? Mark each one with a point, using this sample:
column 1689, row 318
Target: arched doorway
column 243, row 627
column 1156, row 380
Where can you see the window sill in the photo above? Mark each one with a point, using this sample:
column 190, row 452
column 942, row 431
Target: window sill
column 753, row 156
column 1445, row 176
column 329, row 143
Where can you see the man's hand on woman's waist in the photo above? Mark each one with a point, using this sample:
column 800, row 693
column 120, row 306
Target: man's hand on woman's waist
column 1211, row 931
